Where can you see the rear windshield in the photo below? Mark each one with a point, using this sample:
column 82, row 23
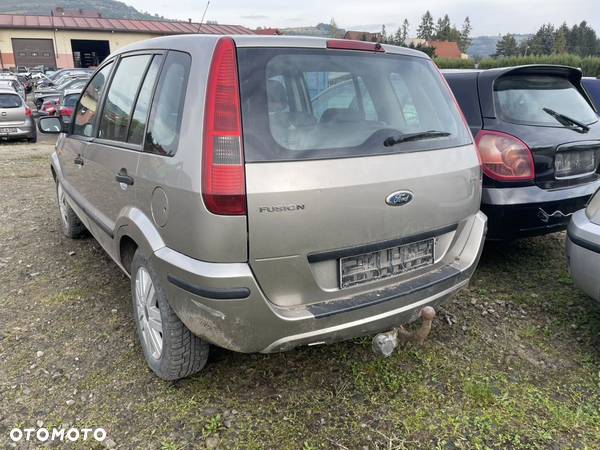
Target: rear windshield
column 313, row 104
column 71, row 100
column 10, row 101
column 522, row 99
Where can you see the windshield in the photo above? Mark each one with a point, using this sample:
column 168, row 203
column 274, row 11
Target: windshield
column 311, row 104
column 522, row 99
column 10, row 101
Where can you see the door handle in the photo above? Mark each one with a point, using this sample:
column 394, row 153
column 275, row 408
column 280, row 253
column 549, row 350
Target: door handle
column 78, row 161
column 122, row 177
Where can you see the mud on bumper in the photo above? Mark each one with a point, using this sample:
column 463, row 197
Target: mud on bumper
column 223, row 303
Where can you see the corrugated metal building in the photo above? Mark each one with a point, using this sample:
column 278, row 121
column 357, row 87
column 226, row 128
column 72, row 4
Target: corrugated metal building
column 61, row 41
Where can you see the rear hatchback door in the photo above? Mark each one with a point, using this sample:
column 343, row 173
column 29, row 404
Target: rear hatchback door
column 319, row 178
column 12, row 110
column 524, row 103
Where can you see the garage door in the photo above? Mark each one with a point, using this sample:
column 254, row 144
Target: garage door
column 34, row 52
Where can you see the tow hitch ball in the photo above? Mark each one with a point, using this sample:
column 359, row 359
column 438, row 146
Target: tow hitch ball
column 385, row 343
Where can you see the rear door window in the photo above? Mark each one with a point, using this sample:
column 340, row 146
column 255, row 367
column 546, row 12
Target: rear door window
column 522, row 99
column 10, row 101
column 166, row 113
column 87, row 107
column 140, row 114
column 312, row 104
column 121, row 96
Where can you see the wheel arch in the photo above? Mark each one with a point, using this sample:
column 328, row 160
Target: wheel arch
column 135, row 230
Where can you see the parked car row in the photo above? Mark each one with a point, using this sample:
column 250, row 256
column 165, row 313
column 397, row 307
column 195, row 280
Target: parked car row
column 263, row 194
column 54, row 94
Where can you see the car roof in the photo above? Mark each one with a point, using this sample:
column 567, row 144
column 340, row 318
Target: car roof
column 4, row 90
column 190, row 43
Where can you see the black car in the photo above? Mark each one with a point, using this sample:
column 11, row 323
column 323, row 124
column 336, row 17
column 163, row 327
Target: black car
column 538, row 137
column 592, row 87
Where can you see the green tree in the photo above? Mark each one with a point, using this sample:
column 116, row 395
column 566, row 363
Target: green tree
column 443, row 29
column 583, row 40
column 542, row 42
column 405, row 28
column 560, row 39
column 384, row 35
column 507, row 46
column 426, row 28
column 465, row 35
column 334, row 30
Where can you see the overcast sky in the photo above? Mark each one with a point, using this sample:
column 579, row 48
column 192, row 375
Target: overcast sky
column 488, row 17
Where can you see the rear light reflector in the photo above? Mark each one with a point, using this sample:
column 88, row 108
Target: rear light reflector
column 504, row 157
column 347, row 44
column 223, row 177
column 28, row 112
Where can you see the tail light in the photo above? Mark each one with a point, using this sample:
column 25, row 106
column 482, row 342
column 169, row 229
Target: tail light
column 28, row 112
column 504, row 157
column 223, row 178
column 64, row 111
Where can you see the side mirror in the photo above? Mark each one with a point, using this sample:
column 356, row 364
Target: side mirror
column 50, row 125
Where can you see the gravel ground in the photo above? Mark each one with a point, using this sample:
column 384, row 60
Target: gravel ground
column 512, row 362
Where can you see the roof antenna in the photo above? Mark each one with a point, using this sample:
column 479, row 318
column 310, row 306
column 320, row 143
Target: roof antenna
column 202, row 20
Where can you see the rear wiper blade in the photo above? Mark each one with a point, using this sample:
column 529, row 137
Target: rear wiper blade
column 414, row 137
column 566, row 120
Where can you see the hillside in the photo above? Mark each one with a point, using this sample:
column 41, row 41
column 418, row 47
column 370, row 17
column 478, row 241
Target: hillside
column 484, row 46
column 108, row 8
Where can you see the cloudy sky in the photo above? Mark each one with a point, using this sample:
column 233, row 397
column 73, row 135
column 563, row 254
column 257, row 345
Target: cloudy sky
column 488, row 17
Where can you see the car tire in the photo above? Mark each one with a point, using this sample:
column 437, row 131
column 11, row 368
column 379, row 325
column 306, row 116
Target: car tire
column 70, row 224
column 170, row 348
column 33, row 138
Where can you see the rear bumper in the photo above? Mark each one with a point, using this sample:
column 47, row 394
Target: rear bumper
column 530, row 211
column 583, row 254
column 22, row 131
column 224, row 304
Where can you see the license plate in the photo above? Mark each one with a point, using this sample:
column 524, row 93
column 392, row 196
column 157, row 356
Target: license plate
column 386, row 263
column 574, row 163
column 7, row 130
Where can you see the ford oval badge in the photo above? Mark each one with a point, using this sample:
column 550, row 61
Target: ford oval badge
column 399, row 198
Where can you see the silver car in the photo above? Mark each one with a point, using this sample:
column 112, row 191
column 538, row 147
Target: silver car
column 583, row 248
column 14, row 83
column 253, row 213
column 16, row 121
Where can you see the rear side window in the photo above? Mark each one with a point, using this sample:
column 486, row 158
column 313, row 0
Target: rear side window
column 121, row 97
column 140, row 114
column 593, row 89
column 166, row 113
column 522, row 99
column 10, row 101
column 311, row 104
column 87, row 107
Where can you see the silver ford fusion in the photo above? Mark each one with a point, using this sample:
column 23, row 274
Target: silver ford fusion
column 269, row 192
column 583, row 248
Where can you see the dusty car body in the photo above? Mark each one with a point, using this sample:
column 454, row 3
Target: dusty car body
column 304, row 228
column 583, row 248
